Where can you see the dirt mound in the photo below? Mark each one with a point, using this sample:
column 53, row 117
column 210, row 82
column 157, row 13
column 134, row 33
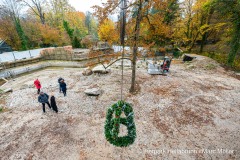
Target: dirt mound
column 203, row 63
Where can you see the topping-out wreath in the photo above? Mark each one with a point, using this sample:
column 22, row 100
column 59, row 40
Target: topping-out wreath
column 112, row 124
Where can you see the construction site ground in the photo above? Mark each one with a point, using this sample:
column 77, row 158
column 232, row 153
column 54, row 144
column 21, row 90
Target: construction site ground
column 192, row 113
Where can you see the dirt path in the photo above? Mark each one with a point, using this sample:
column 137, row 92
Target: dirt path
column 192, row 113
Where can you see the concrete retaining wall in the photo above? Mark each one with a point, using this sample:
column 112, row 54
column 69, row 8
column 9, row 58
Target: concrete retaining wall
column 52, row 57
column 61, row 53
column 12, row 72
column 24, row 62
column 37, row 66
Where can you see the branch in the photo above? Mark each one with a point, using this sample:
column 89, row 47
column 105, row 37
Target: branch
column 31, row 8
column 149, row 21
column 114, row 62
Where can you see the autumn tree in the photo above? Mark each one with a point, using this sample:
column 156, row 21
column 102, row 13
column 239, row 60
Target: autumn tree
column 188, row 16
column 91, row 24
column 107, row 31
column 231, row 11
column 88, row 41
column 195, row 24
column 37, row 8
column 138, row 6
column 57, row 10
column 77, row 21
column 11, row 9
column 50, row 36
column 42, row 23
column 149, row 21
column 160, row 31
column 88, row 21
column 207, row 11
column 201, row 27
column 8, row 33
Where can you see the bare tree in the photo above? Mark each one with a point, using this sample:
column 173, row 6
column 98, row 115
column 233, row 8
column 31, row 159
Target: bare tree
column 37, row 7
column 57, row 11
column 135, row 44
column 10, row 8
column 188, row 14
column 137, row 6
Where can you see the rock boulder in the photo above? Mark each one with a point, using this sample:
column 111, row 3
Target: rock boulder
column 93, row 91
column 87, row 72
column 100, row 69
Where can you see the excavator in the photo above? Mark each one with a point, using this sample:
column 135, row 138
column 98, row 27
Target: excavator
column 162, row 68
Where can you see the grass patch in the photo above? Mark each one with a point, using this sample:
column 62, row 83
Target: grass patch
column 188, row 62
column 210, row 66
column 222, row 59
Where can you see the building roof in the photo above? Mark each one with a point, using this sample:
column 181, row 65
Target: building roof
column 1, row 41
column 4, row 47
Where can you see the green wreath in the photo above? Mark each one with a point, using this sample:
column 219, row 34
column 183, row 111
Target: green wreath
column 112, row 125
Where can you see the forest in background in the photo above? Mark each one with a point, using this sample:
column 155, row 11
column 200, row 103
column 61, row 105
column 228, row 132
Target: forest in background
column 208, row 27
column 27, row 24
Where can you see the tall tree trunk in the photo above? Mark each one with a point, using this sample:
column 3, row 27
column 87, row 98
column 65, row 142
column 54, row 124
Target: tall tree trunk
column 203, row 41
column 135, row 46
column 235, row 44
column 188, row 28
column 193, row 42
column 42, row 17
column 205, row 35
column 195, row 38
column 36, row 7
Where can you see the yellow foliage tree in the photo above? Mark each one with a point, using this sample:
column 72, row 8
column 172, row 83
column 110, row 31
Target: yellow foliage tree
column 107, row 32
column 76, row 21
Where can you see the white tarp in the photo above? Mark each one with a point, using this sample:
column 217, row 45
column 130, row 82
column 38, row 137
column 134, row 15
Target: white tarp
column 9, row 56
column 154, row 69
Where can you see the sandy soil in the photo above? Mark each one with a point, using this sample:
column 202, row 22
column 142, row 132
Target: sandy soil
column 193, row 113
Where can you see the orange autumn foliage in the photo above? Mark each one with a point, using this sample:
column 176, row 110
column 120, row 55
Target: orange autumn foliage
column 107, row 32
column 9, row 34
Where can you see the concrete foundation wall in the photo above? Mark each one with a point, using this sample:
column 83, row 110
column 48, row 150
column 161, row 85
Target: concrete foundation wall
column 19, row 63
column 63, row 53
column 51, row 57
column 33, row 67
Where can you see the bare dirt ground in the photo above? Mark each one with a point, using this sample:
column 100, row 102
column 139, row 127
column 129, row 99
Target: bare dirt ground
column 193, row 113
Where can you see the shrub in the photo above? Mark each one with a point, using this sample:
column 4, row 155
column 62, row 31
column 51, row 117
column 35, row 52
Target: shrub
column 177, row 53
column 222, row 59
column 162, row 50
column 88, row 41
column 236, row 64
column 210, row 66
column 76, row 43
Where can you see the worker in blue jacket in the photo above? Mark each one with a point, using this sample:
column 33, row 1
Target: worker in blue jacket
column 43, row 98
column 63, row 87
